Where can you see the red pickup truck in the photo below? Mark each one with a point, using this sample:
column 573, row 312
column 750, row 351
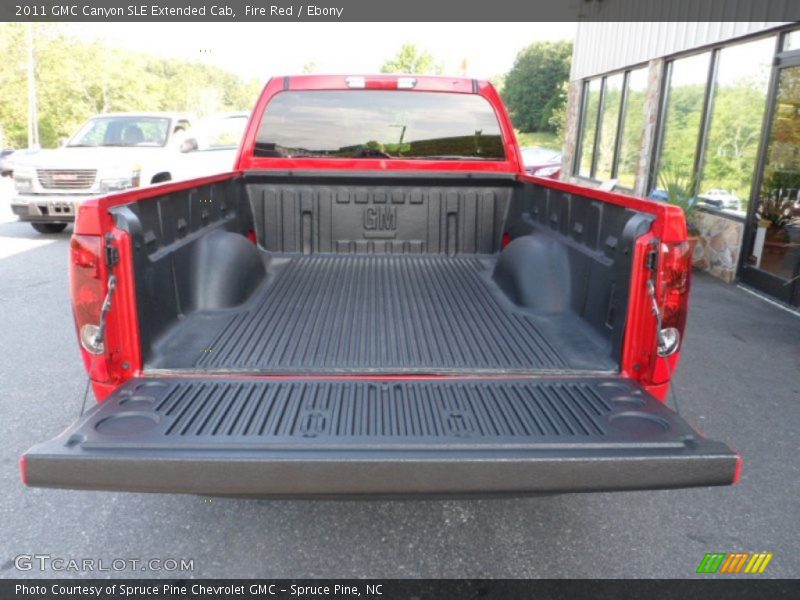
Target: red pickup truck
column 379, row 301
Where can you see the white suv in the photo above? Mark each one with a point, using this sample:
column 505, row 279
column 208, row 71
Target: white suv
column 110, row 152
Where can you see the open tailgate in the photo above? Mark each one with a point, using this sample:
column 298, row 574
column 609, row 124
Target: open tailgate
column 286, row 436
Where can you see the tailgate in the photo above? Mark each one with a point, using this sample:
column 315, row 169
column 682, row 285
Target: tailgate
column 393, row 436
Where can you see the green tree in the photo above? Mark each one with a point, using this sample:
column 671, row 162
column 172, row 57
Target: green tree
column 682, row 127
column 13, row 84
column 734, row 133
column 412, row 60
column 534, row 87
column 77, row 79
column 558, row 116
column 632, row 128
column 499, row 82
column 607, row 134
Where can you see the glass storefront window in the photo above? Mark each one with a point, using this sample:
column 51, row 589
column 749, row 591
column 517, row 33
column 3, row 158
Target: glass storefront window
column 632, row 128
column 684, row 110
column 739, row 100
column 612, row 100
column 777, row 249
column 589, row 126
column 791, row 41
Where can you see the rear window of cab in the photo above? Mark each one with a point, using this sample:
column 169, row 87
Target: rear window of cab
column 382, row 124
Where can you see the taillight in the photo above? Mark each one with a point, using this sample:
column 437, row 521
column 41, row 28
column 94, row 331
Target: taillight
column 88, row 293
column 672, row 294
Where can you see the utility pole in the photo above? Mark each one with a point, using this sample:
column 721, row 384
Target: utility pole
column 402, row 132
column 33, row 116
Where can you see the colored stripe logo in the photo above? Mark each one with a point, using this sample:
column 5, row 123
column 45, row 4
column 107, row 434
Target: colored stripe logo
column 734, row 563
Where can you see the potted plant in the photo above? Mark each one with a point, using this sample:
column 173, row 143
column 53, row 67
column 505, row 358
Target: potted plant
column 775, row 208
column 680, row 189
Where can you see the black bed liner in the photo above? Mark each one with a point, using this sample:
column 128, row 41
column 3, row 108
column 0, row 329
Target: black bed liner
column 286, row 436
column 387, row 314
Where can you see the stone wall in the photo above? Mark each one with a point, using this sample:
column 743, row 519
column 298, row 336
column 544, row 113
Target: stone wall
column 571, row 129
column 646, row 166
column 720, row 244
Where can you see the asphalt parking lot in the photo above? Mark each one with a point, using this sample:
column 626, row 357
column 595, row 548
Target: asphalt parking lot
column 739, row 382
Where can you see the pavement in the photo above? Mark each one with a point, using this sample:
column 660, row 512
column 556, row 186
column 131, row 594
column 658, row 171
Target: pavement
column 738, row 382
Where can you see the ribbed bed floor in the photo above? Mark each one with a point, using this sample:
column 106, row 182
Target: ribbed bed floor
column 380, row 313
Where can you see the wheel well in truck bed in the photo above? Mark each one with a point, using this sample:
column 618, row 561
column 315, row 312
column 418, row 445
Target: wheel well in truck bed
column 179, row 261
column 571, row 252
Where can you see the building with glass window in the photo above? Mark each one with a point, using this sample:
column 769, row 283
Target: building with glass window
column 712, row 109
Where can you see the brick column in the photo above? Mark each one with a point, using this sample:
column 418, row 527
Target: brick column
column 571, row 129
column 646, row 164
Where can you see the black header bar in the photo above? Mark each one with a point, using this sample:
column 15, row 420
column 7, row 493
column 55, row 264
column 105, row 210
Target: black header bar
column 399, row 589
column 399, row 10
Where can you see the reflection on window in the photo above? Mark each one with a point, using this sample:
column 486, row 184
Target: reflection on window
column 784, row 146
column 779, row 197
column 221, row 132
column 684, row 109
column 379, row 124
column 612, row 99
column 632, row 128
column 589, row 126
column 738, row 106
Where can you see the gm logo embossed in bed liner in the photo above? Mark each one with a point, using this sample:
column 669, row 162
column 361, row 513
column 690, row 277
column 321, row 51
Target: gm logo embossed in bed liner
column 380, row 221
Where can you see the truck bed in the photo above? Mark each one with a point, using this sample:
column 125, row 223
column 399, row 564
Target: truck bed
column 380, row 313
column 380, row 274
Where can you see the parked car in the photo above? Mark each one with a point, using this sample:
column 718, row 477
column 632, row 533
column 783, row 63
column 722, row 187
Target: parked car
column 5, row 165
column 358, row 311
column 110, row 152
column 721, row 199
column 16, row 157
column 542, row 162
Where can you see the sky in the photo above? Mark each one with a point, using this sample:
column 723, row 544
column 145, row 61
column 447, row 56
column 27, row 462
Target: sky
column 262, row 50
